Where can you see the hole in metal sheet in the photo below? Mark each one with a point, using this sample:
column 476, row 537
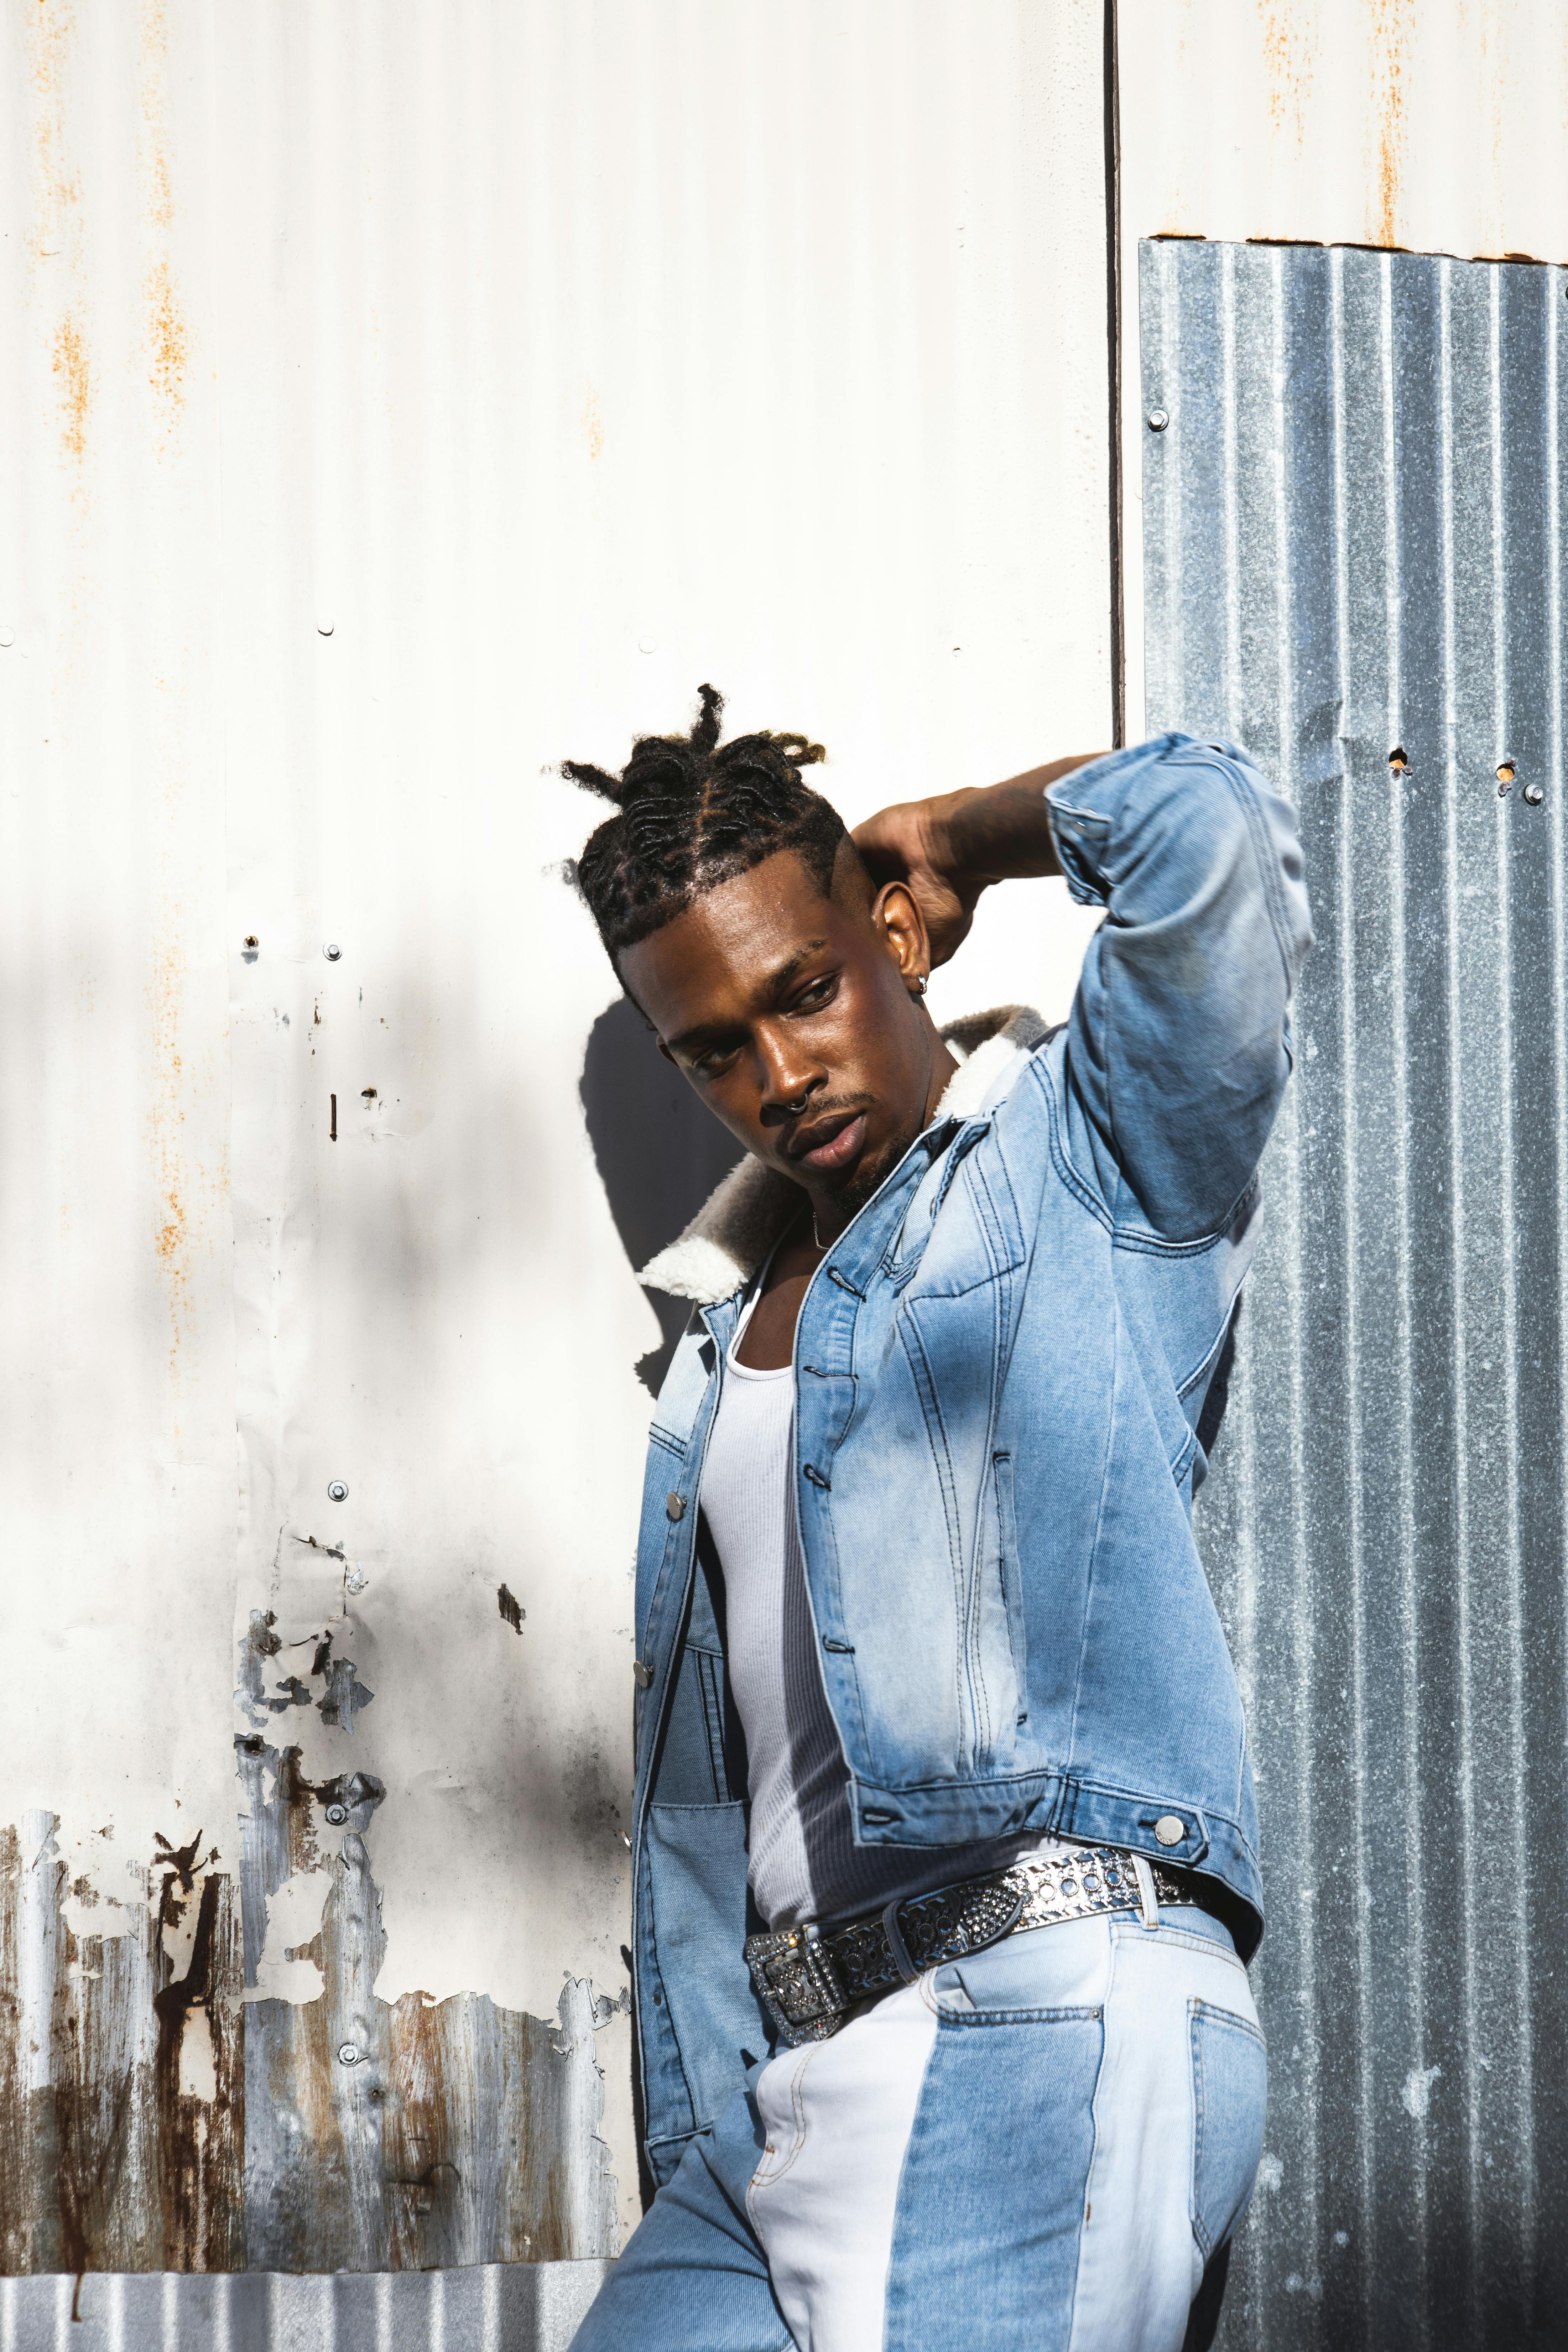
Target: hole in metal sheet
column 368, row 1093
column 1505, row 773
column 1396, row 758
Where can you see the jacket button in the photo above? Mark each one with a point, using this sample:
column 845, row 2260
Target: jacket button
column 676, row 1505
column 1169, row 1830
column 642, row 1672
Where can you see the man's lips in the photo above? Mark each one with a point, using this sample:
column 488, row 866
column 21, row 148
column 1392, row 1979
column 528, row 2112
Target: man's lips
column 828, row 1143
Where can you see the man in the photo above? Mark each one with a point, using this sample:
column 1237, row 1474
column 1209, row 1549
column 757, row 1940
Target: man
column 946, row 1840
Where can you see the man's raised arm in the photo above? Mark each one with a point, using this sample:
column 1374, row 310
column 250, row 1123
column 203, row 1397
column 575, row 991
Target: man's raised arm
column 1178, row 1044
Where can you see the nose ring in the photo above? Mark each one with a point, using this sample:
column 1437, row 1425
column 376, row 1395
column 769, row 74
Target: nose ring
column 801, row 1104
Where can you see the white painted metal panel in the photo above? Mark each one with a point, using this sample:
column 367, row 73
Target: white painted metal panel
column 405, row 398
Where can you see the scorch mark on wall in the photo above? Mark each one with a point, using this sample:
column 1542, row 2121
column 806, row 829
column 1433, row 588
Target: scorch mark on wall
column 511, row 1609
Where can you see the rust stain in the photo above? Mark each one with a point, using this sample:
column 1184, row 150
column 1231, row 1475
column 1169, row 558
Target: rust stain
column 167, row 328
column 73, row 373
column 169, row 336
column 1288, row 39
column 461, row 2132
column 56, row 236
column 105, row 2164
column 1393, row 26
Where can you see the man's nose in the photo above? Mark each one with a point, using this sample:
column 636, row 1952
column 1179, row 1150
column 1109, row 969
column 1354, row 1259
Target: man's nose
column 789, row 1078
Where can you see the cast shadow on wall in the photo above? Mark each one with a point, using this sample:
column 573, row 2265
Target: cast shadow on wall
column 659, row 1154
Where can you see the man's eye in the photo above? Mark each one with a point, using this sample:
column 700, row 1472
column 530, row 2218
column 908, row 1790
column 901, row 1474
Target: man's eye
column 816, row 995
column 708, row 1065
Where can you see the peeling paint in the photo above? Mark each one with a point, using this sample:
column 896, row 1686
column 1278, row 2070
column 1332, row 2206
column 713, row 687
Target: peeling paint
column 121, row 2102
column 463, row 2132
column 285, row 1971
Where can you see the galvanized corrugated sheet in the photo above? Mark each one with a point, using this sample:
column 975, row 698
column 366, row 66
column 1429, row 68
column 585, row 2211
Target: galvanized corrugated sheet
column 495, row 2307
column 1422, row 124
column 1354, row 529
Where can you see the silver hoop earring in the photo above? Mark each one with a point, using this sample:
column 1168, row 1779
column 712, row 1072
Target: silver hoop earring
column 921, row 985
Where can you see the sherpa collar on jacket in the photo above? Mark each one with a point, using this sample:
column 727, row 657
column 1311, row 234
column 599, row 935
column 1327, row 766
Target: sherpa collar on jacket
column 743, row 1216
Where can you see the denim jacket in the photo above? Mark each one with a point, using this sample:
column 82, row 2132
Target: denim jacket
column 1000, row 1370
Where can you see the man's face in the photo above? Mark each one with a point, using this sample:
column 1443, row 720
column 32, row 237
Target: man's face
column 792, row 1014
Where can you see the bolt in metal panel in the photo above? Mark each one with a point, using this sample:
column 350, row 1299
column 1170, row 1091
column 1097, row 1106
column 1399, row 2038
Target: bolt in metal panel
column 1353, row 525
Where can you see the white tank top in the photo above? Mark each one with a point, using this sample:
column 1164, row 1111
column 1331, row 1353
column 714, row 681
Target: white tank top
column 805, row 1864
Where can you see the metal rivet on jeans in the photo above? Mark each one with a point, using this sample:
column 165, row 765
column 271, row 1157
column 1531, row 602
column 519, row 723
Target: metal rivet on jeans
column 642, row 1672
column 676, row 1505
column 1169, row 1830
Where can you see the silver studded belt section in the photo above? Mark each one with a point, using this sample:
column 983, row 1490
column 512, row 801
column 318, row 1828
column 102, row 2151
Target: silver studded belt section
column 809, row 1979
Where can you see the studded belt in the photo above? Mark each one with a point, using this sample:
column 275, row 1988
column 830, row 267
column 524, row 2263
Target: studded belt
column 810, row 1979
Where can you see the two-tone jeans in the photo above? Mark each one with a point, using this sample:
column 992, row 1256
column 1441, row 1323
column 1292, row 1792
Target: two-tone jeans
column 1038, row 2149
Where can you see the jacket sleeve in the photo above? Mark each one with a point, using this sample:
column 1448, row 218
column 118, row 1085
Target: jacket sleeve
column 1178, row 1044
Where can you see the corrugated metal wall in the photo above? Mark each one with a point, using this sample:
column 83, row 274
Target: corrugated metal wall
column 1426, row 124
column 1353, row 524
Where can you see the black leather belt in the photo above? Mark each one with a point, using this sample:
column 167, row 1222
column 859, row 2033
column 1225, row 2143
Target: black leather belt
column 810, row 1979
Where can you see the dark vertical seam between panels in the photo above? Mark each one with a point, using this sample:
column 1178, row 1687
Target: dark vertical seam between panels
column 1556, row 292
column 1113, row 101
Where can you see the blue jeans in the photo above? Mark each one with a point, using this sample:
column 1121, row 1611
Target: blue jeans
column 1035, row 2150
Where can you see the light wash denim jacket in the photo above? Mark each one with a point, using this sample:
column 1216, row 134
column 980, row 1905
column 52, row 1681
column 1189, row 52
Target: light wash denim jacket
column 1000, row 1367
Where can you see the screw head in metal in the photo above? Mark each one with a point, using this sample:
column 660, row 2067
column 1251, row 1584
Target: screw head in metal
column 1533, row 796
column 1158, row 419
column 336, row 1813
column 331, row 951
column 338, row 1491
column 348, row 2053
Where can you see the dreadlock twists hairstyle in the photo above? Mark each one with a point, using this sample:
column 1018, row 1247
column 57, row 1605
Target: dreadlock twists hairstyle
column 691, row 812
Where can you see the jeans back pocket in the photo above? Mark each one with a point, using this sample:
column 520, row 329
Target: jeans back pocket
column 1230, row 2096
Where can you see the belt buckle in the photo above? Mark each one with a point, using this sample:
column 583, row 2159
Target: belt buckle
column 797, row 1984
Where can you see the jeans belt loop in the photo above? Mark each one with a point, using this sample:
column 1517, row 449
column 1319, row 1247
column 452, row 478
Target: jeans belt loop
column 1148, row 1907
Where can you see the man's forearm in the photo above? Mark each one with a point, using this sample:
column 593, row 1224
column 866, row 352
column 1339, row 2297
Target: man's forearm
column 1000, row 833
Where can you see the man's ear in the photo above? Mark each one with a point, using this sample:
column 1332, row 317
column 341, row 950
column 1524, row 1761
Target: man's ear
column 897, row 918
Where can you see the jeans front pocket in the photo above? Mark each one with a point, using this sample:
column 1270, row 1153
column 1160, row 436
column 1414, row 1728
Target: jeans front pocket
column 1230, row 2096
